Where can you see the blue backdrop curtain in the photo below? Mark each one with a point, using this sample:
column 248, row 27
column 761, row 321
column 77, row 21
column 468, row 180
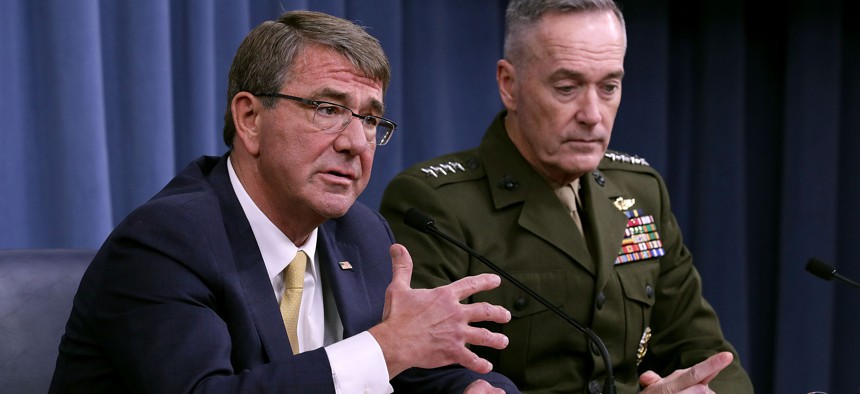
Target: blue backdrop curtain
column 751, row 110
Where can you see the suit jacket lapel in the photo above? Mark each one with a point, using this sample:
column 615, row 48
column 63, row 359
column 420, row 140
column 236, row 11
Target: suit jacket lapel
column 347, row 285
column 251, row 270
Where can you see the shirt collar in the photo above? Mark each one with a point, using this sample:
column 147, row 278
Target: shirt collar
column 277, row 250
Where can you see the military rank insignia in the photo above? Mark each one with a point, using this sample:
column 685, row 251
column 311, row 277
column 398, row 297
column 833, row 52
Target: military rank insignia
column 450, row 167
column 641, row 239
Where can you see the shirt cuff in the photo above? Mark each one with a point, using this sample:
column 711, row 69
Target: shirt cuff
column 358, row 366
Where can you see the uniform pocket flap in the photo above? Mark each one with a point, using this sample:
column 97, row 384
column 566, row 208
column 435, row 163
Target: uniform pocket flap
column 638, row 280
column 547, row 284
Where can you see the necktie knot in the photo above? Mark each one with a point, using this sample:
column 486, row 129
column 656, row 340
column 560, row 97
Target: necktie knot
column 569, row 196
column 294, row 277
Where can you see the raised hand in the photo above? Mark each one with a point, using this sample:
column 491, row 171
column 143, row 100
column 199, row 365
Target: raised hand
column 691, row 380
column 429, row 328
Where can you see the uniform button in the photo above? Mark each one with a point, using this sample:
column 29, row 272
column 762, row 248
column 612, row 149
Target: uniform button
column 508, row 183
column 649, row 291
column 601, row 299
column 598, row 178
column 520, row 304
column 594, row 387
column 594, row 349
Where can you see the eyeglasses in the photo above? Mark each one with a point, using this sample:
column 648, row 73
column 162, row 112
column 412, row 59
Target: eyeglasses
column 333, row 118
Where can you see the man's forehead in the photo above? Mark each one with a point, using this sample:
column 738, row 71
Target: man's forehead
column 318, row 61
column 578, row 74
column 328, row 93
column 587, row 39
column 585, row 28
column 328, row 75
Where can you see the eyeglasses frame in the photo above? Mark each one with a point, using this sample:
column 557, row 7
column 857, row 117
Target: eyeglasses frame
column 316, row 103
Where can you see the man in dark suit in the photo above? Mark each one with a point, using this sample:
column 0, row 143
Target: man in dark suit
column 258, row 271
column 590, row 230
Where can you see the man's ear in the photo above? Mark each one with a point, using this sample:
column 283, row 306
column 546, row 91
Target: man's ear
column 246, row 109
column 506, row 77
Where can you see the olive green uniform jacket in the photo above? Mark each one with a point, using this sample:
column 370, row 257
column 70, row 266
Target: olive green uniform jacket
column 493, row 200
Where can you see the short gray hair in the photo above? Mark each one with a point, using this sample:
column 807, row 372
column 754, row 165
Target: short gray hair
column 264, row 60
column 523, row 15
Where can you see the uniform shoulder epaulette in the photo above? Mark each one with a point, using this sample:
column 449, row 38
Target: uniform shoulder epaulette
column 625, row 158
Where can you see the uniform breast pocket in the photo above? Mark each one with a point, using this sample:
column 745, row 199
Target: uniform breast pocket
column 534, row 329
column 548, row 284
column 639, row 283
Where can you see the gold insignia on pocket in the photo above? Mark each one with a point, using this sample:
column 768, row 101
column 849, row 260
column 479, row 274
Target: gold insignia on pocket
column 643, row 345
column 624, row 204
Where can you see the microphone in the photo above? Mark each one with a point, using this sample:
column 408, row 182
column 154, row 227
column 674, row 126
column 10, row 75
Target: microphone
column 424, row 223
column 827, row 272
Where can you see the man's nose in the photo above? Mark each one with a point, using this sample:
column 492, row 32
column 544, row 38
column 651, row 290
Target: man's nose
column 353, row 137
column 589, row 108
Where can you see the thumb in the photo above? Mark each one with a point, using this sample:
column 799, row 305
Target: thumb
column 401, row 266
column 648, row 378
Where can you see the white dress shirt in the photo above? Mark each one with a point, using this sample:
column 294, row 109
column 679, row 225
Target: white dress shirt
column 357, row 363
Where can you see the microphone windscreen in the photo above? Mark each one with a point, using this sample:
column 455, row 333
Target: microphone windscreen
column 418, row 220
column 820, row 269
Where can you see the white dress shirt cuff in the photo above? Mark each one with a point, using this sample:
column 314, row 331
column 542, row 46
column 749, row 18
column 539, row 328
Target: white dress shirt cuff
column 358, row 366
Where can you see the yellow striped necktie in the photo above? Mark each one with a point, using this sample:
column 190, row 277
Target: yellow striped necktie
column 291, row 300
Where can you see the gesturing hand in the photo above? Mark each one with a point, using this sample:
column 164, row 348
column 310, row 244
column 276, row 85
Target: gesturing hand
column 691, row 380
column 429, row 328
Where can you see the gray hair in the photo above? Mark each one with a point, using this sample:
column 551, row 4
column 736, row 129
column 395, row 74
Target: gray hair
column 523, row 15
column 264, row 61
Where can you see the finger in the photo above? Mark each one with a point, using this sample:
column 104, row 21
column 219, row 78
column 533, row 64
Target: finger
column 701, row 371
column 708, row 379
column 466, row 287
column 401, row 266
column 483, row 311
column 484, row 337
column 481, row 386
column 648, row 378
column 470, row 360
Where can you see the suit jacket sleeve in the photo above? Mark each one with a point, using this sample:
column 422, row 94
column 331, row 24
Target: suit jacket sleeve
column 164, row 312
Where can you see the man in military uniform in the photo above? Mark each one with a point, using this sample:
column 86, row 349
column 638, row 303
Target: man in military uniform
column 590, row 230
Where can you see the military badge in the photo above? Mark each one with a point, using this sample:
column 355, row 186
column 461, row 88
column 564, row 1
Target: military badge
column 643, row 345
column 623, row 204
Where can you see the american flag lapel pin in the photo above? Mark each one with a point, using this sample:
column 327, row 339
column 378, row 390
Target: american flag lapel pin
column 345, row 265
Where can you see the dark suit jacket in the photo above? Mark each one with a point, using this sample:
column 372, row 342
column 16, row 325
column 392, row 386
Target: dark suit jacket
column 178, row 299
column 491, row 198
